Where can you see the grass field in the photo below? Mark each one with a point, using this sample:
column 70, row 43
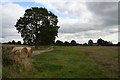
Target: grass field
column 70, row 62
column 75, row 62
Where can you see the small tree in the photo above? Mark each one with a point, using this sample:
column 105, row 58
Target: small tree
column 60, row 43
column 73, row 43
column 38, row 26
column 90, row 42
column 118, row 44
column 66, row 43
column 19, row 42
column 9, row 42
column 85, row 44
column 100, row 42
column 13, row 42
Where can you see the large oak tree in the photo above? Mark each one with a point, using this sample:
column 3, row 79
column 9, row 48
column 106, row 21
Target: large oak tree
column 38, row 26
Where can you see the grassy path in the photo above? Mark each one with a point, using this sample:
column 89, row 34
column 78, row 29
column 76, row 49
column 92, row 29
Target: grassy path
column 37, row 52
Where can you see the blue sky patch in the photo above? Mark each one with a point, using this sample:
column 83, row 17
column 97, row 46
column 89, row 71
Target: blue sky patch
column 29, row 4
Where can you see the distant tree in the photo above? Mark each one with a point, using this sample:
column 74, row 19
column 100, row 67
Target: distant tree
column 107, row 43
column 9, row 42
column 118, row 44
column 100, row 42
column 85, row 44
column 79, row 44
column 111, row 44
column 66, row 43
column 13, row 42
column 73, row 43
column 24, row 43
column 60, row 43
column 90, row 42
column 19, row 42
column 38, row 26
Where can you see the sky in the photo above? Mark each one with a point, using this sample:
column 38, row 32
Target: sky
column 78, row 20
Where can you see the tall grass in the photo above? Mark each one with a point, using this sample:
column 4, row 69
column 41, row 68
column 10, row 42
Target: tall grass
column 11, row 67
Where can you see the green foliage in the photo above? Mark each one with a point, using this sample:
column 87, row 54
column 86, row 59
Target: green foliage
column 38, row 26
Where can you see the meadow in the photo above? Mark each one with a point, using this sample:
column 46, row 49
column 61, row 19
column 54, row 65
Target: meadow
column 72, row 62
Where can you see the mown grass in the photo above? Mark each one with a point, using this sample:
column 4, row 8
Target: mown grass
column 76, row 62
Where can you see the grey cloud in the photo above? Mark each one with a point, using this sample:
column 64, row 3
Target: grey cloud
column 105, row 11
column 101, row 8
column 105, row 17
column 74, row 29
column 78, row 27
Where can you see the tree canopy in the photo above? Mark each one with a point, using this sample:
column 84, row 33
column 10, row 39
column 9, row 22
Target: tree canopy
column 90, row 42
column 101, row 42
column 38, row 26
column 59, row 43
column 73, row 43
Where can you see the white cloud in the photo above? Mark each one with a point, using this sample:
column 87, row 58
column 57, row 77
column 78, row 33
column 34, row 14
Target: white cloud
column 10, row 38
column 10, row 13
column 112, row 37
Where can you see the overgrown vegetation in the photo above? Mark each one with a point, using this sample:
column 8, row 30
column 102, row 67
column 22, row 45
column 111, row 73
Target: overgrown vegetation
column 12, row 64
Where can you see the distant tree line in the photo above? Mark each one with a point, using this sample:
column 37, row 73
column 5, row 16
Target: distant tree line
column 100, row 42
column 66, row 43
column 13, row 42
